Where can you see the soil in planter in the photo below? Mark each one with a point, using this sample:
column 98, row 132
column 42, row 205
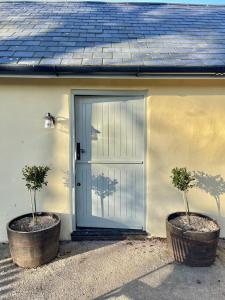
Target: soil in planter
column 197, row 223
column 26, row 224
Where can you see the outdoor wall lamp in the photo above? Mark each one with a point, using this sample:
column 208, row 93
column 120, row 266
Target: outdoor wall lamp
column 49, row 121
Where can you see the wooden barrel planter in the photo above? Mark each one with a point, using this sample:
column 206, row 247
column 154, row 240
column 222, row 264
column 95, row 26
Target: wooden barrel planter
column 196, row 249
column 32, row 249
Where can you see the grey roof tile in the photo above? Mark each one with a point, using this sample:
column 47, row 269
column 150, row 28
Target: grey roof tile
column 44, row 54
column 89, row 61
column 50, row 61
column 84, row 54
column 6, row 53
column 103, row 55
column 71, row 61
column 17, row 48
column 56, row 49
column 23, row 54
column 8, row 60
column 115, row 61
column 3, row 48
column 28, row 61
column 85, row 33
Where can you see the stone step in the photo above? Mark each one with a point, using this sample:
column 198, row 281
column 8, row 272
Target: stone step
column 107, row 234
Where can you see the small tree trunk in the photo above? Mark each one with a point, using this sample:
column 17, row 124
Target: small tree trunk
column 32, row 206
column 186, row 207
column 35, row 206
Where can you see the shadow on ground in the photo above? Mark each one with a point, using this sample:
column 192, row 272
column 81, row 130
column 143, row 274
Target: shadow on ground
column 134, row 270
column 68, row 248
column 8, row 272
column 174, row 281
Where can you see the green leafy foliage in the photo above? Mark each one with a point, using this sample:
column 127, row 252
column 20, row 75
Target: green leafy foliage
column 182, row 179
column 35, row 177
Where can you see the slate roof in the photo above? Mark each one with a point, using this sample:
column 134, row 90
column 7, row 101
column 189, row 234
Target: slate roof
column 111, row 34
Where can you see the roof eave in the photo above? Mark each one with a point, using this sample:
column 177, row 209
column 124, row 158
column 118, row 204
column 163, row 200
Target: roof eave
column 114, row 70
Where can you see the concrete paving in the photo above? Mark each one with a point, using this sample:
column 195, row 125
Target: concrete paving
column 112, row 270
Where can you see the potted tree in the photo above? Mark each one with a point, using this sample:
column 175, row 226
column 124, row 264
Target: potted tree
column 34, row 237
column 192, row 237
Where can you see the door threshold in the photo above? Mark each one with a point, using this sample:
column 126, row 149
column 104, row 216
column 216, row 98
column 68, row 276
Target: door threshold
column 107, row 234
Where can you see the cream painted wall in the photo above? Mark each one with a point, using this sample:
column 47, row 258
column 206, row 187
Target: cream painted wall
column 185, row 128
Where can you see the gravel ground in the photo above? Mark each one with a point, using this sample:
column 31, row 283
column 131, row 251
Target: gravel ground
column 198, row 224
column 27, row 224
column 112, row 270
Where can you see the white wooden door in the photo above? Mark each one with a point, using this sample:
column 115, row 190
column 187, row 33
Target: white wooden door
column 110, row 161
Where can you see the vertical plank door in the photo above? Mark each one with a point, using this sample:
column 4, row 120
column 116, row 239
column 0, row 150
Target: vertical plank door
column 110, row 161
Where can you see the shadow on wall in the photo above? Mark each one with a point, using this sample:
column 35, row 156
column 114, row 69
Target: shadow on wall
column 214, row 185
column 67, row 180
column 62, row 124
column 103, row 186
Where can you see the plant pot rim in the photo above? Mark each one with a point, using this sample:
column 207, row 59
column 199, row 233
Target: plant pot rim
column 55, row 216
column 180, row 213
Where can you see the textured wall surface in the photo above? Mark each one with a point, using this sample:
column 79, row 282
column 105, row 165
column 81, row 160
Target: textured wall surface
column 185, row 128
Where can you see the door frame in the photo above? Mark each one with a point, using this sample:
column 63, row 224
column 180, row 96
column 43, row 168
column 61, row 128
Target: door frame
column 94, row 92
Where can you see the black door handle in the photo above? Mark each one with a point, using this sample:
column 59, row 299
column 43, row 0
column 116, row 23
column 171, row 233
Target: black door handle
column 78, row 151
